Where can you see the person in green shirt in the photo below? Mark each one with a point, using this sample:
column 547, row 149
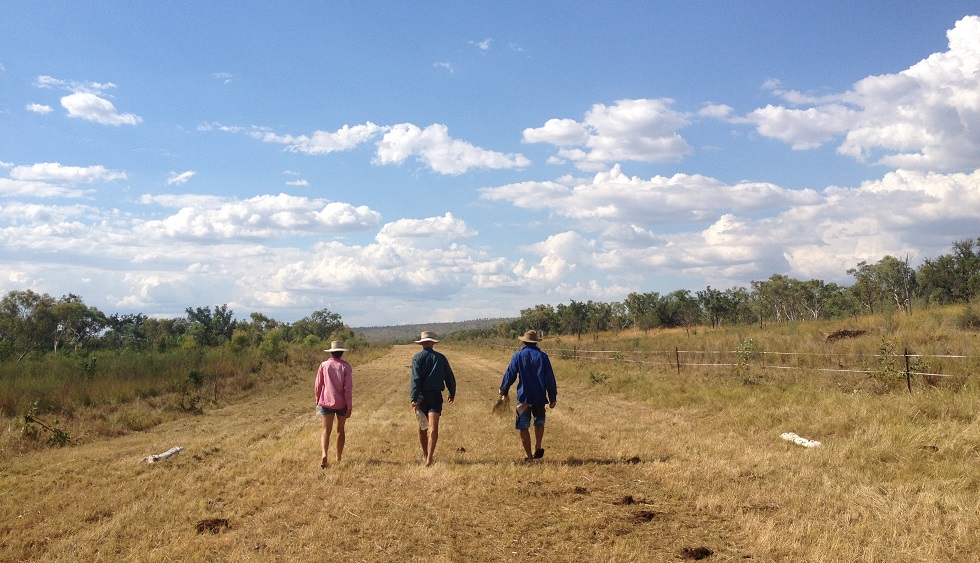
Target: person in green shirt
column 431, row 374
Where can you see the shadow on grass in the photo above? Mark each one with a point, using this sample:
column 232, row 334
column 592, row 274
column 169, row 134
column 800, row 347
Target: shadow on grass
column 456, row 459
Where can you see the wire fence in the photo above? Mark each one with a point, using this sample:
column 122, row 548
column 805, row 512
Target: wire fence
column 906, row 363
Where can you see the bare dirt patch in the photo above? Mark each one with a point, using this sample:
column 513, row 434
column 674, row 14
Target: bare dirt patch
column 696, row 553
column 213, row 525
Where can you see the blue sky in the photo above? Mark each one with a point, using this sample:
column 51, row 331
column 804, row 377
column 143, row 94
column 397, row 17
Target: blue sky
column 398, row 163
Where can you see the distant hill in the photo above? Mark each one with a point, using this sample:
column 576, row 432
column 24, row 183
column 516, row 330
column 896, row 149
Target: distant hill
column 412, row 332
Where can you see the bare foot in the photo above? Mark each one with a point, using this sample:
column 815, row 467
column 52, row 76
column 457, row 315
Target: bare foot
column 323, row 462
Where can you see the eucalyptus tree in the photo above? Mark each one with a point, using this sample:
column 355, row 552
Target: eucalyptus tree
column 954, row 277
column 817, row 296
column 681, row 308
column 76, row 323
column 320, row 323
column 890, row 278
column 210, row 328
column 598, row 316
column 125, row 331
column 572, row 318
column 27, row 323
column 779, row 298
column 541, row 318
column 641, row 310
column 714, row 305
column 897, row 281
column 867, row 288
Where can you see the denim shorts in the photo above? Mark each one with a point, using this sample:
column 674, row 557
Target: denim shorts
column 324, row 411
column 524, row 413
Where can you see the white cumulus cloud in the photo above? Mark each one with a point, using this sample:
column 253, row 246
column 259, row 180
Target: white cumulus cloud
column 440, row 152
column 613, row 196
column 30, row 188
column 323, row 142
column 436, row 229
column 259, row 217
column 643, row 130
column 90, row 107
column 53, row 171
column 39, row 108
column 924, row 118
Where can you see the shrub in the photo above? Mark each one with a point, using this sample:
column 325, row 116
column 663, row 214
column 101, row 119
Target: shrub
column 273, row 347
column 969, row 319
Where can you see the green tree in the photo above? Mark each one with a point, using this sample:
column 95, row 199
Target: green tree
column 320, row 323
column 954, row 277
column 125, row 331
column 715, row 305
column 740, row 303
column 683, row 309
column 598, row 315
column 27, row 322
column 897, row 281
column 164, row 334
column 642, row 310
column 76, row 322
column 572, row 317
column 213, row 327
column 541, row 318
column 273, row 346
column 817, row 296
column 867, row 289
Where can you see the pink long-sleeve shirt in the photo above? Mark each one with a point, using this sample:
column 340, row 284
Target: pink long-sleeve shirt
column 334, row 384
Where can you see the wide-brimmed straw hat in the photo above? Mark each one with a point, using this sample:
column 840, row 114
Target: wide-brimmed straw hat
column 530, row 336
column 337, row 346
column 427, row 337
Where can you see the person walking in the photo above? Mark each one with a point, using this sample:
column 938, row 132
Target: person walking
column 431, row 374
column 334, row 389
column 536, row 387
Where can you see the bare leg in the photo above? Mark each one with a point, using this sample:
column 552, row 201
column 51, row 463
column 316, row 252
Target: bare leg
column 325, row 438
column 526, row 442
column 538, row 436
column 424, row 442
column 433, row 437
column 341, row 436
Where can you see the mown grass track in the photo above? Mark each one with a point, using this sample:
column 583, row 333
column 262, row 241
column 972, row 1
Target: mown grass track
column 623, row 479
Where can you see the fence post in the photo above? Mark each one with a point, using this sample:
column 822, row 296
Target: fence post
column 908, row 372
column 677, row 358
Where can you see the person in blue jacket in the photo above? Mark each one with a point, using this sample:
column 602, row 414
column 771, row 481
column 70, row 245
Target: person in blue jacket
column 536, row 387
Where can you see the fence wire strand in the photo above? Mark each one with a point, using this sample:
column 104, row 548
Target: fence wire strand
column 621, row 356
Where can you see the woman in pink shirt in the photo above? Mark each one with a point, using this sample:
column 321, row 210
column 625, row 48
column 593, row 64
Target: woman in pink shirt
column 334, row 396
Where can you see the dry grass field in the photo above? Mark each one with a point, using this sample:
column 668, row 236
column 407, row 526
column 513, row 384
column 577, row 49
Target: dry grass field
column 640, row 465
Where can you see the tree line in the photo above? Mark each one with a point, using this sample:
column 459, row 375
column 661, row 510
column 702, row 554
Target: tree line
column 888, row 284
column 39, row 323
column 33, row 323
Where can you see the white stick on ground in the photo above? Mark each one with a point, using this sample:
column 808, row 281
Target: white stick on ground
column 800, row 440
column 157, row 457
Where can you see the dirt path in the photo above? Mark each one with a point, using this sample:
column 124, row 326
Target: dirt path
column 249, row 486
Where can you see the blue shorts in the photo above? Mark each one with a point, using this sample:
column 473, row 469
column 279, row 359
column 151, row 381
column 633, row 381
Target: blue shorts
column 431, row 402
column 524, row 417
column 324, row 411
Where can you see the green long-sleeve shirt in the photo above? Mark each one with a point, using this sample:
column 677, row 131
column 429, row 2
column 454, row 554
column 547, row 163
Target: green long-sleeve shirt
column 431, row 372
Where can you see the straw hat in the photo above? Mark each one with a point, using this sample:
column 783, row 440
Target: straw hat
column 530, row 336
column 337, row 346
column 427, row 337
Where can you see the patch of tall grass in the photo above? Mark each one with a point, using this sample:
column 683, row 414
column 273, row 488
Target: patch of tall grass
column 59, row 384
column 114, row 393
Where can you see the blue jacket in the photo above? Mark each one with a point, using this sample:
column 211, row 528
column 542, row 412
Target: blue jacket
column 536, row 385
column 431, row 373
